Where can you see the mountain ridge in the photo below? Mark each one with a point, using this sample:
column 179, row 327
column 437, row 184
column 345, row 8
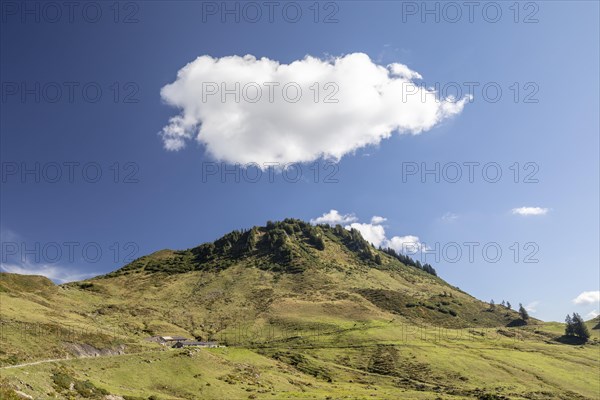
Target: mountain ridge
column 277, row 245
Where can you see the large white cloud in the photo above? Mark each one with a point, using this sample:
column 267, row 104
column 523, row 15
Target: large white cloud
column 372, row 102
column 590, row 297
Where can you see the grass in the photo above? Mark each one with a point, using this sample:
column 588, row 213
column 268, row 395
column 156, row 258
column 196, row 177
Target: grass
column 426, row 364
column 344, row 327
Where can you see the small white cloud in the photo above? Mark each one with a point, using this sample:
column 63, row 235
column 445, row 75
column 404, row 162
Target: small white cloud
column 408, row 244
column 376, row 220
column 333, row 217
column 55, row 273
column 591, row 297
column 526, row 211
column 403, row 71
column 592, row 314
column 449, row 217
column 243, row 109
column 532, row 307
column 372, row 233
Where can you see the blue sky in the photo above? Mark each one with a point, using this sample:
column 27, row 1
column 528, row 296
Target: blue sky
column 148, row 198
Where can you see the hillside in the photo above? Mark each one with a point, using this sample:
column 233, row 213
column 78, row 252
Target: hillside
column 266, row 270
column 305, row 311
column 594, row 323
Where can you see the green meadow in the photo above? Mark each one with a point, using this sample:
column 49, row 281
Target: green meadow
column 300, row 312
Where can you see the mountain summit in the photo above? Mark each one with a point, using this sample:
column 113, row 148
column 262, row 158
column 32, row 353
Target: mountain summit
column 290, row 246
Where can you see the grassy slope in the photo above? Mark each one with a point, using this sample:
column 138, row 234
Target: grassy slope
column 459, row 365
column 343, row 327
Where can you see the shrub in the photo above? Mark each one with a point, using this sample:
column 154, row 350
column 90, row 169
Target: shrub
column 87, row 389
column 62, row 380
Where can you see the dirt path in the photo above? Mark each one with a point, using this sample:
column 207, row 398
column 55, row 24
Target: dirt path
column 35, row 363
column 73, row 358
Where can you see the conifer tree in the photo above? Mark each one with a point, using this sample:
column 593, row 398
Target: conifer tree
column 569, row 331
column 579, row 327
column 523, row 313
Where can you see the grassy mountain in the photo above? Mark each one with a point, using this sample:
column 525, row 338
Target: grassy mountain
column 305, row 311
column 289, row 265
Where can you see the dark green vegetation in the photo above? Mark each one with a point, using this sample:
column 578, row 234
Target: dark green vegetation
column 66, row 385
column 406, row 260
column 523, row 313
column 575, row 327
column 286, row 246
column 305, row 311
